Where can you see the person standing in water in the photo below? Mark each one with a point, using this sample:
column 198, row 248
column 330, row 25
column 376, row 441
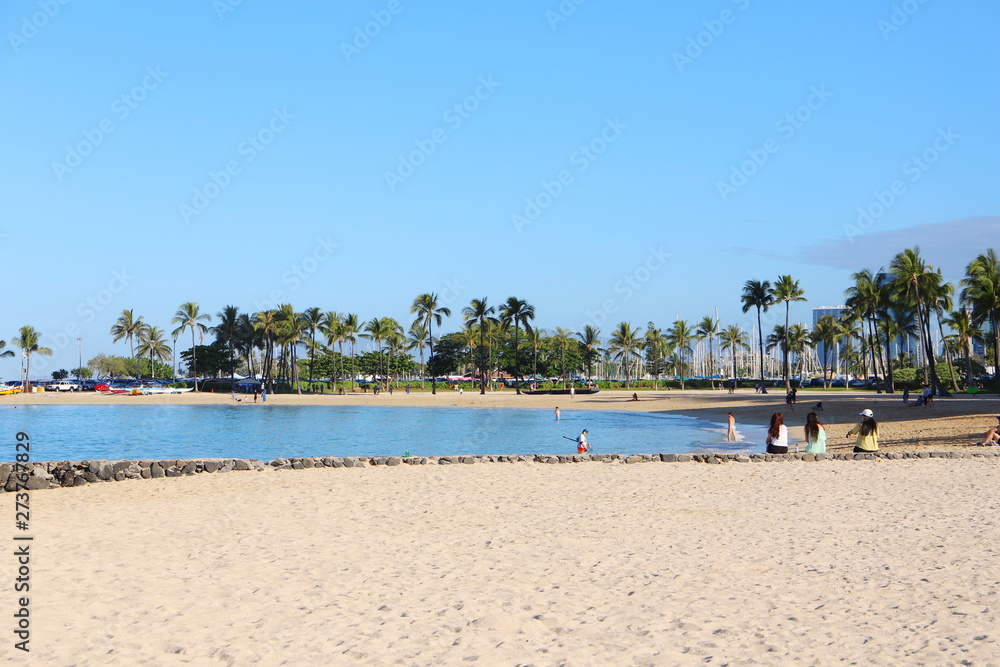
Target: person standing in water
column 731, row 429
column 581, row 442
column 557, row 414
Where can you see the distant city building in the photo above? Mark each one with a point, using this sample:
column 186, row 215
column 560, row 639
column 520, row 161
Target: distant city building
column 837, row 312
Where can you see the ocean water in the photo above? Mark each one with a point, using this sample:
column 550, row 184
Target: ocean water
column 74, row 432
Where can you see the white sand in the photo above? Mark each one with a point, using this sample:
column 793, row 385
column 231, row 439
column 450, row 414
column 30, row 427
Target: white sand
column 580, row 564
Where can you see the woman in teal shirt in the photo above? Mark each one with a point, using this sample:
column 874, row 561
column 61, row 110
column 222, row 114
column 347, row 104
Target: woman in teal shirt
column 815, row 435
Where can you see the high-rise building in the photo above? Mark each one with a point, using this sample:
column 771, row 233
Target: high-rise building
column 837, row 312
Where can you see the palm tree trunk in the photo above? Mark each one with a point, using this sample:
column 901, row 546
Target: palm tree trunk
column 194, row 361
column 760, row 338
column 947, row 353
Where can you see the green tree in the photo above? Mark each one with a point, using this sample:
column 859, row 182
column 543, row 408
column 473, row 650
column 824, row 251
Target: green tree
column 517, row 311
column 427, row 309
column 625, row 342
column 189, row 316
column 590, row 344
column 757, row 294
column 128, row 326
column 786, row 289
column 312, row 318
column 708, row 328
column 28, row 341
column 153, row 344
column 913, row 281
column 827, row 332
column 227, row 331
column 966, row 332
column 680, row 336
column 981, row 293
column 479, row 312
column 733, row 339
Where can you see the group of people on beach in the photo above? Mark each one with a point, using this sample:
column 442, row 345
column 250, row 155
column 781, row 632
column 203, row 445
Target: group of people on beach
column 865, row 433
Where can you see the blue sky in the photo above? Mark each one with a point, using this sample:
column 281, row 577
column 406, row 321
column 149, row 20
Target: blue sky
column 620, row 161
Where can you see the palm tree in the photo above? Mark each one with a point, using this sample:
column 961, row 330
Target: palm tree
column 5, row 353
column 27, row 340
column 478, row 311
column 656, row 348
column 266, row 325
column 786, row 289
column 940, row 294
column 128, row 327
column 563, row 338
column 912, row 278
column 757, row 294
column 625, row 341
column 227, row 331
column 680, row 337
column 826, row 332
column 292, row 328
column 535, row 340
column 350, row 326
column 590, row 340
column 709, row 328
column 189, row 316
column 153, row 343
column 418, row 340
column 426, row 308
column 332, row 326
column 981, row 292
column 733, row 339
column 864, row 298
column 960, row 321
column 312, row 318
column 518, row 312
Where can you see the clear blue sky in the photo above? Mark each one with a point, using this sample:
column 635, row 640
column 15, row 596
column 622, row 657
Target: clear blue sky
column 116, row 113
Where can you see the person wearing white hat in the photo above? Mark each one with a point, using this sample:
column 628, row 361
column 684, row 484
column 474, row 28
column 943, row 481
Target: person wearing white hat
column 867, row 432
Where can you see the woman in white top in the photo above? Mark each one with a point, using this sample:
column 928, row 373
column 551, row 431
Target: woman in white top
column 777, row 435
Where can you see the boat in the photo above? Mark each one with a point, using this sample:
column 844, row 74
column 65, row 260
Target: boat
column 7, row 390
column 563, row 392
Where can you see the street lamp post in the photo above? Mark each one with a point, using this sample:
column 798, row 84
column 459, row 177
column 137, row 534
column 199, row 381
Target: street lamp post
column 79, row 369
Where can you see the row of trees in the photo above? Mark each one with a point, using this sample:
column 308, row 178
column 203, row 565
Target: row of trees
column 909, row 301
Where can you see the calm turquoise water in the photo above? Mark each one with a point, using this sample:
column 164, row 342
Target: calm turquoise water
column 73, row 432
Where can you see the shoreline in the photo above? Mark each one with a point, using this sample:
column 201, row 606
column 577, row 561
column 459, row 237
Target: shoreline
column 953, row 423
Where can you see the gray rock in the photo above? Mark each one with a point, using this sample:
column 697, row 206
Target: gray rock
column 105, row 471
column 79, row 480
column 155, row 471
column 297, row 465
column 212, row 466
column 172, row 471
column 91, row 477
column 189, row 468
column 119, row 466
column 94, row 466
column 308, row 463
column 242, row 464
column 36, row 483
column 683, row 458
column 393, row 461
column 808, row 457
column 742, row 458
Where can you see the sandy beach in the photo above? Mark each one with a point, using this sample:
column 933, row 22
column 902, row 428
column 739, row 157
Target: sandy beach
column 876, row 562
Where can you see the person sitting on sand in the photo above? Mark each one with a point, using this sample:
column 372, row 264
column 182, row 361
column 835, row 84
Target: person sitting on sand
column 777, row 435
column 635, row 396
column 731, row 429
column 815, row 435
column 867, row 432
column 992, row 437
column 581, row 442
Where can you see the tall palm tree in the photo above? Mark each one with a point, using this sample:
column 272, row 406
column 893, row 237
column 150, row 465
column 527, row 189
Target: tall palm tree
column 266, row 326
column 786, row 289
column 517, row 311
column 535, row 339
column 478, row 311
column 332, row 326
column 562, row 339
column 912, row 278
column 312, row 318
column 426, row 308
column 153, row 344
column 227, row 331
column 966, row 332
column 127, row 326
column 625, row 342
column 826, row 332
column 27, row 339
column 939, row 295
column 680, row 336
column 418, row 341
column 864, row 299
column 733, row 339
column 757, row 294
column 799, row 342
column 708, row 328
column 189, row 316
column 590, row 340
column 292, row 329
column 981, row 292
column 5, row 353
column 350, row 326
column 656, row 349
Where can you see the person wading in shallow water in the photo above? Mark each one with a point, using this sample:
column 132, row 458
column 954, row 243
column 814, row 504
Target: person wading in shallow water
column 581, row 442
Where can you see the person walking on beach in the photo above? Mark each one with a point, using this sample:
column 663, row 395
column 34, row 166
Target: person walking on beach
column 815, row 435
column 867, row 432
column 581, row 442
column 731, row 429
column 777, row 435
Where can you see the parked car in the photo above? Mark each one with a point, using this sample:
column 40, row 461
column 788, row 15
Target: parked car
column 63, row 385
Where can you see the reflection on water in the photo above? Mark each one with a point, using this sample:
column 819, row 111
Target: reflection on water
column 74, row 432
